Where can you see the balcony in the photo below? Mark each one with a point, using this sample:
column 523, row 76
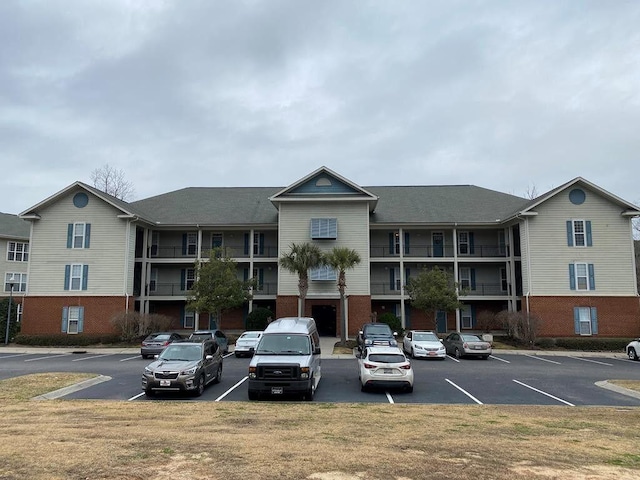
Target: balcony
column 190, row 253
column 167, row 290
column 446, row 251
column 479, row 289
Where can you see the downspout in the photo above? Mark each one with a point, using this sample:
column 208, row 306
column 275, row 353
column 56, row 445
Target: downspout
column 526, row 222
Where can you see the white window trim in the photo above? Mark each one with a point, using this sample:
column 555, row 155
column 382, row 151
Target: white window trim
column 192, row 243
column 585, row 276
column 78, row 277
column 465, row 276
column 465, row 313
column 23, row 254
column 79, row 235
column 397, row 284
column 73, row 318
column 189, row 276
column 323, row 274
column 464, row 243
column 323, row 228
column 575, row 234
column 585, row 320
column 19, row 282
column 189, row 319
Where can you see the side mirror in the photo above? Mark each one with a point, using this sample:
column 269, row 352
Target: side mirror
column 208, row 357
column 316, row 351
column 252, row 349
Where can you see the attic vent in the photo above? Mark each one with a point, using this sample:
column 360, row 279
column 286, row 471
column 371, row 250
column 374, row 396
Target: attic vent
column 323, row 182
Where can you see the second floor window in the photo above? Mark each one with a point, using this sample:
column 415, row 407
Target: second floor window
column 324, row 228
column 188, row 278
column 78, row 235
column 582, row 276
column 322, row 274
column 579, row 233
column 19, row 281
column 76, row 277
column 17, row 252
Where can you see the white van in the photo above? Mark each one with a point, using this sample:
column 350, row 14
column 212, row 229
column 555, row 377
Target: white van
column 287, row 359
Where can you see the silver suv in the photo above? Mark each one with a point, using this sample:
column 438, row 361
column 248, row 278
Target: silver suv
column 184, row 367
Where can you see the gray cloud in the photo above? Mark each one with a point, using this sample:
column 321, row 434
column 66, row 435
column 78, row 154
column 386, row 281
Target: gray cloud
column 502, row 95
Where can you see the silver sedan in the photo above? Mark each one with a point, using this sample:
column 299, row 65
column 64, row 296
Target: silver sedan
column 467, row 345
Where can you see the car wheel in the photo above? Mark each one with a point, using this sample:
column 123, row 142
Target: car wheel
column 253, row 395
column 237, row 355
column 485, row 357
column 632, row 354
column 149, row 393
column 458, row 353
column 413, row 354
column 308, row 395
column 410, row 389
column 200, row 386
column 218, row 376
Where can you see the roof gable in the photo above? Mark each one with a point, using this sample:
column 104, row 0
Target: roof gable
column 326, row 185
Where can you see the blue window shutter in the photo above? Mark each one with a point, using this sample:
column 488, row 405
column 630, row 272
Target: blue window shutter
column 473, row 278
column 246, row 244
column 184, row 244
column 245, row 274
column 87, row 235
column 261, row 277
column 407, row 274
column 65, row 318
column 589, row 236
column 569, row 233
column 406, row 243
column 85, row 276
column 183, row 280
column 80, row 319
column 473, row 316
column 594, row 321
column 392, row 249
column 392, row 279
column 572, row 276
column 576, row 320
column 70, row 235
column 67, row 276
column 592, row 277
column 261, row 246
column 182, row 315
column 472, row 248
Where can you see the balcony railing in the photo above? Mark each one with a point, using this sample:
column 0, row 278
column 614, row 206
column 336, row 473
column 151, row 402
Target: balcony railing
column 190, row 253
column 266, row 289
column 177, row 290
column 430, row 251
column 479, row 289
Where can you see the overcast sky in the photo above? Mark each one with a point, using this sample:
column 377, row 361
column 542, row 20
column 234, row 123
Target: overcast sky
column 511, row 95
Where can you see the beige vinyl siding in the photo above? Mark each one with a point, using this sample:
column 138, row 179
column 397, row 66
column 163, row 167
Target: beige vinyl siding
column 353, row 232
column 105, row 257
column 550, row 255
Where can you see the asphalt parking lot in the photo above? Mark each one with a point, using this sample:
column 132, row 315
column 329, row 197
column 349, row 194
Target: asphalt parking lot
column 505, row 378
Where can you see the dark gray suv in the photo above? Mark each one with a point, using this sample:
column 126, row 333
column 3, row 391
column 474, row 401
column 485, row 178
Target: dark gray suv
column 184, row 367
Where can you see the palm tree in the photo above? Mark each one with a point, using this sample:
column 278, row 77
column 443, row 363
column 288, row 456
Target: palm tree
column 341, row 259
column 301, row 258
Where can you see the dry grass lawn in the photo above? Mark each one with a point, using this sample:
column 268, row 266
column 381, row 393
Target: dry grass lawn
column 65, row 439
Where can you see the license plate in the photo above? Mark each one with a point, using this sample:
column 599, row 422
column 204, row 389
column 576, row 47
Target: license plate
column 165, row 383
column 277, row 390
column 432, row 354
column 388, row 371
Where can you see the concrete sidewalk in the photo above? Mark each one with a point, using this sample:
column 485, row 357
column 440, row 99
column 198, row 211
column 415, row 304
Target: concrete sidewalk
column 326, row 344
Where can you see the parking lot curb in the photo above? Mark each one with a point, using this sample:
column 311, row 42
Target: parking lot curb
column 618, row 389
column 61, row 392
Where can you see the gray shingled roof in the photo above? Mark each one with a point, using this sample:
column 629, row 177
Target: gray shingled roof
column 11, row 226
column 397, row 204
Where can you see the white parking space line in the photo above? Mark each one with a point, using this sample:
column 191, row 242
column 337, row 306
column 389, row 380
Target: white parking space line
column 16, row 355
column 593, row 361
column 227, row 355
column 465, row 392
column 453, row 358
column 231, row 389
column 544, row 393
column 498, row 358
column 625, row 360
column 542, row 359
column 135, row 397
column 89, row 358
column 50, row 356
column 130, row 358
column 389, row 397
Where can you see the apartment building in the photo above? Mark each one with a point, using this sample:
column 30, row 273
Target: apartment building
column 566, row 256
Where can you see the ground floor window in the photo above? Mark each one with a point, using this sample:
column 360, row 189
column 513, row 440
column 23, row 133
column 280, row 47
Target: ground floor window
column 586, row 320
column 189, row 319
column 72, row 319
column 466, row 317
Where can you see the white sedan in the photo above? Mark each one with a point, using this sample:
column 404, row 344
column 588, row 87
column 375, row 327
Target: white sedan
column 247, row 343
column 633, row 349
column 423, row 344
column 384, row 367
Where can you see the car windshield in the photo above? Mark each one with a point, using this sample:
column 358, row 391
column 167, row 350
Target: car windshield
column 283, row 344
column 471, row 338
column 378, row 330
column 161, row 337
column 386, row 358
column 184, row 353
column 425, row 337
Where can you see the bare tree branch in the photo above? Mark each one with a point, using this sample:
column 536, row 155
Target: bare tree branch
column 531, row 192
column 112, row 181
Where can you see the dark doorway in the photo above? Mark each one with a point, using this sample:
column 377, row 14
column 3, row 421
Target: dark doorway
column 325, row 317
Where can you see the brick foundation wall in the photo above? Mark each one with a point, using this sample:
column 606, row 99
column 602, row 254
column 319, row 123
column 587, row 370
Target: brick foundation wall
column 287, row 306
column 43, row 315
column 359, row 314
column 617, row 316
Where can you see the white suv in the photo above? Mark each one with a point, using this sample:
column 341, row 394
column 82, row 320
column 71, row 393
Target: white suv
column 384, row 367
